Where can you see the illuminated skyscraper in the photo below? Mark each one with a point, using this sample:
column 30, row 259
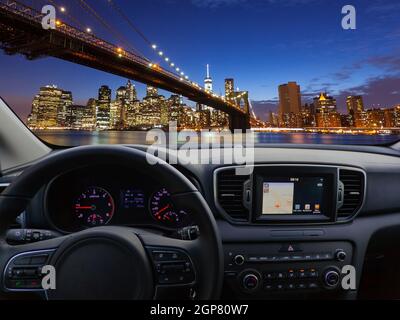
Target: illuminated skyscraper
column 131, row 94
column 49, row 108
column 208, row 83
column 103, row 108
column 151, row 92
column 289, row 98
column 326, row 114
column 354, row 104
column 229, row 89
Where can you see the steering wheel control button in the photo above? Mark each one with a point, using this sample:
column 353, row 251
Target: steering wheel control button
column 23, row 272
column 172, row 266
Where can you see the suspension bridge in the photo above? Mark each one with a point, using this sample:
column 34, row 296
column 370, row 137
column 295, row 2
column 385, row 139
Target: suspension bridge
column 21, row 32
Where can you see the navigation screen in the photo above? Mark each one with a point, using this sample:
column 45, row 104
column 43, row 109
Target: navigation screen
column 296, row 195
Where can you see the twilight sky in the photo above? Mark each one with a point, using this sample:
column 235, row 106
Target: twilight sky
column 260, row 43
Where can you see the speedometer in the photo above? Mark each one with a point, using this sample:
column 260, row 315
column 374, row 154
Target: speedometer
column 163, row 209
column 94, row 207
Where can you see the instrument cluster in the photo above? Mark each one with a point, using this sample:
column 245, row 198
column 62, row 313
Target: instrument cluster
column 100, row 196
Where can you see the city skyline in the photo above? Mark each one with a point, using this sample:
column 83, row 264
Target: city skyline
column 327, row 58
column 122, row 109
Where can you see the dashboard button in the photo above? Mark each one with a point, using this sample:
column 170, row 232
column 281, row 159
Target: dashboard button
column 270, row 275
column 301, row 286
column 22, row 261
column 269, row 287
column 238, row 259
column 313, row 285
column 39, row 259
column 291, row 286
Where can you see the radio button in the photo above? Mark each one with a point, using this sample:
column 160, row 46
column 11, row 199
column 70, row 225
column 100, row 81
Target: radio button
column 301, row 286
column 253, row 259
column 313, row 285
column 238, row 259
column 291, row 286
column 302, row 274
column 313, row 273
column 269, row 287
column 340, row 255
column 270, row 275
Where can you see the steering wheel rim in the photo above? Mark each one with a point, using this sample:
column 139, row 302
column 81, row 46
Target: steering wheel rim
column 206, row 250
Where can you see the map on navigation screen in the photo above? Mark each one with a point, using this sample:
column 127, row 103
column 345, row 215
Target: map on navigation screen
column 277, row 198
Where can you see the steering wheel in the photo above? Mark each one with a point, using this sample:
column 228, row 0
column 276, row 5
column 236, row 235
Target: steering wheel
column 111, row 262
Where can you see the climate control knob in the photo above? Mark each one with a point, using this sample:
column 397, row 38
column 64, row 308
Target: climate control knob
column 331, row 278
column 250, row 281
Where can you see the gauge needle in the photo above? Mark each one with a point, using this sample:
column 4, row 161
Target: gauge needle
column 161, row 210
column 79, row 207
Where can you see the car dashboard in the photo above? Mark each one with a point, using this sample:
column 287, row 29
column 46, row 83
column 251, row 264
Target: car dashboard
column 294, row 243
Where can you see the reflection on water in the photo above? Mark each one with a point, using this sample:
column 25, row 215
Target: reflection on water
column 75, row 138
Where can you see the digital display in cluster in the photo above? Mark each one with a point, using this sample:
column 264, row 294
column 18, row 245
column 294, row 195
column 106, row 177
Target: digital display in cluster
column 133, row 198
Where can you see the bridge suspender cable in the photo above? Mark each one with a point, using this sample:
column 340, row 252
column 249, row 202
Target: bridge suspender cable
column 118, row 9
column 93, row 12
column 165, row 58
column 76, row 21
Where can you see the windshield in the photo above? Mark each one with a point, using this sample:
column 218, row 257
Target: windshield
column 290, row 71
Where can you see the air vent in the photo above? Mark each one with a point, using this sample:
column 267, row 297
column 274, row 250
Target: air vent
column 3, row 187
column 353, row 182
column 230, row 194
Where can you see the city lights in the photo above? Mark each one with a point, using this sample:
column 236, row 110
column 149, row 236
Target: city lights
column 88, row 30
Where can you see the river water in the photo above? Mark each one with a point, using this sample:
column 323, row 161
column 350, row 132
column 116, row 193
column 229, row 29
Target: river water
column 75, row 138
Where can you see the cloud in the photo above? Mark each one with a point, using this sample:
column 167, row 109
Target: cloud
column 382, row 91
column 389, row 62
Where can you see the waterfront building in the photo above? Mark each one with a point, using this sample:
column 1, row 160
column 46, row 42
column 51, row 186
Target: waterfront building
column 103, row 109
column 289, row 104
column 49, row 108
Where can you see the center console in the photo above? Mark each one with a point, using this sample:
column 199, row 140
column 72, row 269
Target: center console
column 290, row 268
column 280, row 197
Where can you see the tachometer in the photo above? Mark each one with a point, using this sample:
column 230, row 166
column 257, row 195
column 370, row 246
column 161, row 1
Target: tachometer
column 94, row 207
column 163, row 210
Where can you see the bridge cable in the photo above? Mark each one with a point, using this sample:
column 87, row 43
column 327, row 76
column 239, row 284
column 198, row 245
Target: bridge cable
column 76, row 21
column 93, row 12
column 170, row 64
column 118, row 9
